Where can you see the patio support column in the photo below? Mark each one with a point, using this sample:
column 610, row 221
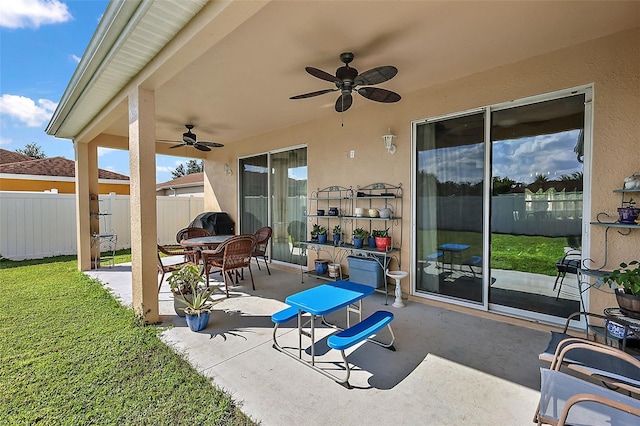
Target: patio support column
column 85, row 162
column 142, row 167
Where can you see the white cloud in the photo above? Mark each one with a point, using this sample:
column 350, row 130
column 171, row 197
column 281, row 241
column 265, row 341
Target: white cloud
column 104, row 151
column 33, row 13
column 5, row 141
column 75, row 58
column 164, row 169
column 25, row 109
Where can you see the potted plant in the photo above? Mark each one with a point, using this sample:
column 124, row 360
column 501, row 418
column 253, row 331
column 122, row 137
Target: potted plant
column 628, row 213
column 337, row 232
column 383, row 240
column 191, row 296
column 181, row 282
column 321, row 232
column 627, row 280
column 359, row 235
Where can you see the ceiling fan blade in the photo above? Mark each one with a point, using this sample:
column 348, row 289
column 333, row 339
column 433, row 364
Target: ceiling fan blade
column 376, row 75
column 201, row 147
column 189, row 138
column 379, row 95
column 323, row 75
column 213, row 144
column 312, row 94
column 344, row 102
column 177, row 146
column 167, row 140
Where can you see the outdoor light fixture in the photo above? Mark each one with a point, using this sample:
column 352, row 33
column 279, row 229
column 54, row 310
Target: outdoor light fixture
column 388, row 142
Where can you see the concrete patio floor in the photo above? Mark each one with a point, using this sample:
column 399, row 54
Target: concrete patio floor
column 449, row 367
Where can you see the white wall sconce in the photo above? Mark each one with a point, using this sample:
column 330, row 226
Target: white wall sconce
column 227, row 169
column 388, row 142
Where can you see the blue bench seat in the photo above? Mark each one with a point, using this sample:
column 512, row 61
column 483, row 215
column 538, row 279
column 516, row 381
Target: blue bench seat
column 360, row 331
column 357, row 333
column 284, row 315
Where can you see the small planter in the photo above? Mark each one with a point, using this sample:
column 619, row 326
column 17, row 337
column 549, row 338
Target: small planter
column 336, row 239
column 383, row 243
column 322, row 239
column 628, row 214
column 358, row 242
column 197, row 322
column 322, row 266
column 372, row 242
column 628, row 303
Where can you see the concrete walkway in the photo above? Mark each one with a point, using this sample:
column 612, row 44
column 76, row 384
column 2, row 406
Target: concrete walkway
column 449, row 367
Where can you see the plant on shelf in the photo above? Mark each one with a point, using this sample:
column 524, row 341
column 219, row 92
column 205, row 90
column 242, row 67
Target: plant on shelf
column 383, row 240
column 359, row 235
column 627, row 280
column 337, row 232
column 187, row 286
column 321, row 232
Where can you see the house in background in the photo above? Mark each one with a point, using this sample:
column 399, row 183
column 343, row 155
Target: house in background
column 20, row 172
column 184, row 186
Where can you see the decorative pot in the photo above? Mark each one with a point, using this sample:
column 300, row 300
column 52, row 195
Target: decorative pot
column 334, row 270
column 628, row 303
column 322, row 266
column 628, row 214
column 358, row 211
column 374, row 213
column 333, row 211
column 197, row 322
column 357, row 242
column 320, row 212
column 383, row 243
column 336, row 239
column 372, row 242
column 322, row 239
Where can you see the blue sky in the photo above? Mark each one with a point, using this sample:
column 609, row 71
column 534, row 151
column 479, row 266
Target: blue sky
column 41, row 42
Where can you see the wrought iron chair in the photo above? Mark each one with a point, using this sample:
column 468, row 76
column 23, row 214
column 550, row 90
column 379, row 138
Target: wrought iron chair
column 232, row 255
column 262, row 236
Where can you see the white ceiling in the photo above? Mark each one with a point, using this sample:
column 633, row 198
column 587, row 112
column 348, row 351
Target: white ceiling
column 240, row 86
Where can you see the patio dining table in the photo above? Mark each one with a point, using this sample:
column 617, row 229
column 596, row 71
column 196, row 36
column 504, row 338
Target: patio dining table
column 204, row 243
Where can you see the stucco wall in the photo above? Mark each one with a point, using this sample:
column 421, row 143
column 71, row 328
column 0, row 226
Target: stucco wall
column 612, row 64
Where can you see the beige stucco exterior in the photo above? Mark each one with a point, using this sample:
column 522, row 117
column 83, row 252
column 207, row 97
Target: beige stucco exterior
column 611, row 64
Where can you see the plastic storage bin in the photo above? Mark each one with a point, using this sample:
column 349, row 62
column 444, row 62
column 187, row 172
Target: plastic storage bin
column 366, row 270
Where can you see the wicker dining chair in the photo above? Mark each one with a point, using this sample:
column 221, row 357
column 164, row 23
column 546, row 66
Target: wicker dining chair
column 262, row 236
column 163, row 267
column 232, row 256
column 185, row 234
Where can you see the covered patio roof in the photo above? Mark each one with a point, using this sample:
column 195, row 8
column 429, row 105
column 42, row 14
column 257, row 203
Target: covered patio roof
column 229, row 67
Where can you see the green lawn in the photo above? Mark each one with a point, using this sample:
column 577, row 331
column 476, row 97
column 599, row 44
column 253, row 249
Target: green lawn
column 71, row 354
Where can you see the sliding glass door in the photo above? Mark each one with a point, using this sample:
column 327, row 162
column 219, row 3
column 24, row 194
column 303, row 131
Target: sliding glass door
column 528, row 186
column 449, row 212
column 273, row 192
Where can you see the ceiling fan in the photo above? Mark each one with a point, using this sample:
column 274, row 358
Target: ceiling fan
column 189, row 139
column 347, row 79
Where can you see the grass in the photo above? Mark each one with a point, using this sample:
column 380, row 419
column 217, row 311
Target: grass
column 71, row 354
column 537, row 255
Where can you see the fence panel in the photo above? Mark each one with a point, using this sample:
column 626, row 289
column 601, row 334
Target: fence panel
column 35, row 225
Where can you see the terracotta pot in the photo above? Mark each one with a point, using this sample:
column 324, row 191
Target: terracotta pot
column 383, row 243
column 628, row 303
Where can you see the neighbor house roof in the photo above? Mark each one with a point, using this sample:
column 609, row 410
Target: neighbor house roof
column 193, row 179
column 54, row 166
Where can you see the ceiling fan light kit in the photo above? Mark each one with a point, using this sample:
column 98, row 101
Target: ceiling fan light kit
column 347, row 80
column 190, row 139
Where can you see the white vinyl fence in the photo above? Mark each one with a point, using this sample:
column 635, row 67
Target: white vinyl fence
column 35, row 225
